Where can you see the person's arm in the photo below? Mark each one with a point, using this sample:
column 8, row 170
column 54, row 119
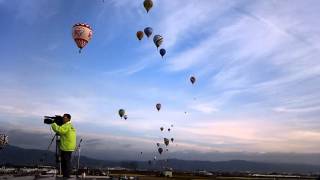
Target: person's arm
column 60, row 129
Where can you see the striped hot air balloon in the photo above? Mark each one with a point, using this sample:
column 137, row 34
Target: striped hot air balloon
column 82, row 34
column 157, row 39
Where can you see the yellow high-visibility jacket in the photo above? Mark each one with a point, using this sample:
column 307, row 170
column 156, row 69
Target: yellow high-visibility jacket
column 67, row 136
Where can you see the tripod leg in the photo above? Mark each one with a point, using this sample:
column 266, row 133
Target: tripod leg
column 58, row 154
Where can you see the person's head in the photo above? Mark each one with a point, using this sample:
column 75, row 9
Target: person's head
column 66, row 118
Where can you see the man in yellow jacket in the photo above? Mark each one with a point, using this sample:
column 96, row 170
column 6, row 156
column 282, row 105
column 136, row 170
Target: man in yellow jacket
column 67, row 145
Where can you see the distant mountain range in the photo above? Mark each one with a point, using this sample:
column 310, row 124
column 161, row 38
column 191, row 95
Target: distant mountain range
column 12, row 155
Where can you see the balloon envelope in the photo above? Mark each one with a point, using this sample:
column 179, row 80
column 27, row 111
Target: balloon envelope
column 148, row 5
column 122, row 112
column 157, row 39
column 82, row 34
column 148, row 31
column 158, row 106
column 160, row 150
column 166, row 141
column 161, row 128
column 192, row 79
column 162, row 52
column 139, row 35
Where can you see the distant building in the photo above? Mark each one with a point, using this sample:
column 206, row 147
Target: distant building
column 167, row 173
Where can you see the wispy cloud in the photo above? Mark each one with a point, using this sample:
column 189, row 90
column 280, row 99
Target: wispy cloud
column 31, row 12
column 204, row 107
column 179, row 23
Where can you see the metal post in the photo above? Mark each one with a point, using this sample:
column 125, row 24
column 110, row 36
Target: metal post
column 79, row 158
column 79, row 151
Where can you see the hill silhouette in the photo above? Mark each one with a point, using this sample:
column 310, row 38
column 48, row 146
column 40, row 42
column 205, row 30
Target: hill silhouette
column 12, row 155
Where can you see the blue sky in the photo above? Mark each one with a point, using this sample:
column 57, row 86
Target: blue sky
column 256, row 64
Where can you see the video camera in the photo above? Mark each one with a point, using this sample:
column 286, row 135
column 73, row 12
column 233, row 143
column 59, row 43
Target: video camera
column 53, row 119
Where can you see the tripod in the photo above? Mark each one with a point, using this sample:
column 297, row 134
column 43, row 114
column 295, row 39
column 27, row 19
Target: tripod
column 57, row 152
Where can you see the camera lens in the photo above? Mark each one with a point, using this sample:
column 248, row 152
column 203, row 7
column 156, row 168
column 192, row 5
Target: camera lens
column 48, row 121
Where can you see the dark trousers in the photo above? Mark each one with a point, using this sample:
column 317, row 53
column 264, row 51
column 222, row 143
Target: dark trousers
column 66, row 165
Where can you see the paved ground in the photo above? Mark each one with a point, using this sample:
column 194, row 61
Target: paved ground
column 149, row 178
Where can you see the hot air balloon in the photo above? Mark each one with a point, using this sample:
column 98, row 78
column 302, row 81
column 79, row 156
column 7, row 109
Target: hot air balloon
column 158, row 106
column 158, row 144
column 167, row 150
column 192, row 79
column 147, row 5
column 161, row 128
column 82, row 34
column 141, row 153
column 171, row 125
column 155, row 157
column 122, row 112
column 160, row 150
column 139, row 35
column 157, row 39
column 162, row 52
column 148, row 31
column 169, row 129
column 125, row 117
column 166, row 141
column 172, row 139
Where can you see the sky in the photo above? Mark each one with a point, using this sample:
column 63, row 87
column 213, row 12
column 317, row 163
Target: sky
column 256, row 64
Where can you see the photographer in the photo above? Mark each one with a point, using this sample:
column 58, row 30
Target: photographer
column 67, row 145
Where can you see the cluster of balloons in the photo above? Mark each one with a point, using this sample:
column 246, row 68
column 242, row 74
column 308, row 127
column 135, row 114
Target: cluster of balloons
column 166, row 141
column 157, row 39
column 82, row 34
column 3, row 141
